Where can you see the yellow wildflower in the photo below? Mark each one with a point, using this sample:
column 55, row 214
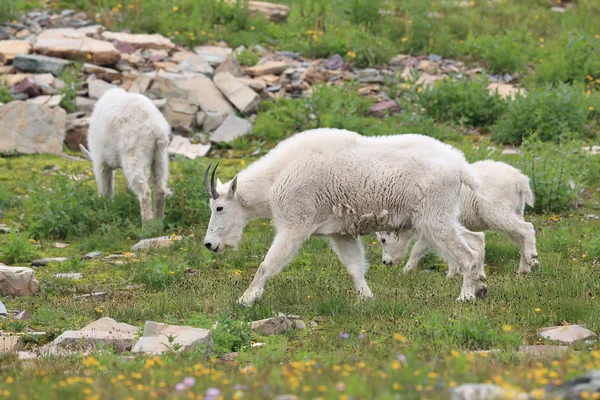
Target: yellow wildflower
column 507, row 328
column 175, row 8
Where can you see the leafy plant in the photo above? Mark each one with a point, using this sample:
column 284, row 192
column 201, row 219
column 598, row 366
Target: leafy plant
column 18, row 248
column 247, row 58
column 502, row 53
column 547, row 112
column 156, row 273
column 5, row 96
column 556, row 173
column 467, row 102
column 73, row 79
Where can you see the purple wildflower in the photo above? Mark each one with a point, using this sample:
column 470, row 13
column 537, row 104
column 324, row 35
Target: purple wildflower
column 240, row 387
column 340, row 387
column 212, row 393
column 180, row 387
column 344, row 335
column 362, row 336
column 189, row 381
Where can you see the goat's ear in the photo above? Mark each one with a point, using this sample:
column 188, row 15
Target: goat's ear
column 219, row 183
column 232, row 187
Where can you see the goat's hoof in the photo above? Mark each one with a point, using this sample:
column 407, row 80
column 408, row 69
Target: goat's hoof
column 480, row 293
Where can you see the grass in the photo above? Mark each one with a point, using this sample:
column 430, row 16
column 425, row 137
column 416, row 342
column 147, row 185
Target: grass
column 413, row 318
column 412, row 340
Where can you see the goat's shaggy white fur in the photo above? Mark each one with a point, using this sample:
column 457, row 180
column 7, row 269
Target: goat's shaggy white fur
column 505, row 192
column 128, row 131
column 339, row 184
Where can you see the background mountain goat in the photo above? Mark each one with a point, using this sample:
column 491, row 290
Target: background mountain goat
column 128, row 131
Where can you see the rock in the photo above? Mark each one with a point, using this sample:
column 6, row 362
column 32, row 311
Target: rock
column 48, row 101
column 98, row 87
column 76, row 133
column 484, row 391
column 22, row 315
column 27, row 87
column 141, row 84
column 369, row 89
column 73, row 44
column 558, row 9
column 272, row 326
column 105, row 332
column 163, row 241
column 183, row 146
column 267, row 68
column 203, row 92
column 399, row 60
column 241, row 96
column 196, row 64
column 155, row 339
column 18, row 281
column 368, row 75
column 567, row 334
column 140, row 41
column 213, row 55
column 40, row 64
column 10, row 344
column 92, row 255
column 95, row 295
column 575, row 388
column 273, row 12
column 299, row 324
column 107, row 74
column 232, row 128
column 428, row 80
column 3, row 309
column 428, row 67
column 434, row 58
column 179, row 56
column 84, row 104
column 231, row 65
column 123, row 47
column 11, row 48
column 153, row 55
column 543, row 351
column 256, row 84
column 335, row 62
column 505, row 90
column 384, row 108
column 71, row 275
column 31, row 128
column 181, row 114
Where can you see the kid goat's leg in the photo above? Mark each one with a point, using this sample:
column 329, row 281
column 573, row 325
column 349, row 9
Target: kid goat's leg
column 160, row 177
column 284, row 247
column 104, row 179
column 351, row 253
column 138, row 182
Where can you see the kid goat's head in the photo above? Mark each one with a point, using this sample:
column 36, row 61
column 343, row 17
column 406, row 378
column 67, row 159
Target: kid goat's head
column 227, row 218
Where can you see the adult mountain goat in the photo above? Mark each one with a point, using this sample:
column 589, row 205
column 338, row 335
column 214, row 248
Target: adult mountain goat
column 128, row 131
column 339, row 184
column 505, row 193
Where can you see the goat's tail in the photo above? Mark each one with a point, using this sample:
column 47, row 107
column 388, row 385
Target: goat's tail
column 524, row 190
column 85, row 152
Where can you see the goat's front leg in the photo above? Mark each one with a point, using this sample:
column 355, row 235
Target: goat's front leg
column 351, row 253
column 419, row 250
column 284, row 247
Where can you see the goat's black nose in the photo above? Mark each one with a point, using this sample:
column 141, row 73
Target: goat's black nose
column 208, row 245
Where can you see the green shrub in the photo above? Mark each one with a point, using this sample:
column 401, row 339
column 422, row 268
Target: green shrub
column 5, row 96
column 73, row 79
column 467, row 102
column 157, row 273
column 548, row 112
column 556, row 172
column 507, row 53
column 247, row 58
column 18, row 248
column 8, row 199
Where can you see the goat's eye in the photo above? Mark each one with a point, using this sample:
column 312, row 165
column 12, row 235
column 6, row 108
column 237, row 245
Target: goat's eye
column 382, row 240
column 219, row 209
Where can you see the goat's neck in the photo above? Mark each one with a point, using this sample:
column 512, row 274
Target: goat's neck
column 254, row 192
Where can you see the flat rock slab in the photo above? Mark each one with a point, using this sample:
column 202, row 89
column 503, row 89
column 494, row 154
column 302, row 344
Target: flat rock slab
column 233, row 127
column 40, row 64
column 105, row 331
column 45, row 261
column 140, row 41
column 74, row 44
column 18, row 281
column 92, row 255
column 182, row 146
column 241, row 96
column 267, row 68
column 484, row 391
column 163, row 241
column 155, row 339
column 11, row 48
column 543, row 351
column 575, row 388
column 273, row 326
column 108, row 74
column 98, row 87
column 197, row 64
column 213, row 55
column 567, row 334
column 10, row 344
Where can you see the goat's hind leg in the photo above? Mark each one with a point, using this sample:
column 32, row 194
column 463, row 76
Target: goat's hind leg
column 160, row 176
column 351, row 253
column 138, row 182
column 104, row 179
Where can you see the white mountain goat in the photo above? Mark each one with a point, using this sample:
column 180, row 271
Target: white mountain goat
column 128, row 131
column 339, row 184
column 506, row 191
